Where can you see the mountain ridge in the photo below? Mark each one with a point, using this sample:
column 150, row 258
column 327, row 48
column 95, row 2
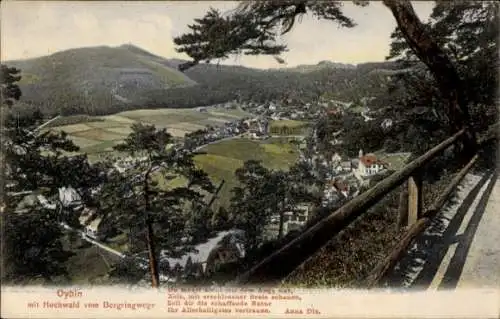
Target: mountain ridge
column 103, row 79
column 176, row 61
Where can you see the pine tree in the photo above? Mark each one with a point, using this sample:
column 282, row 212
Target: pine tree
column 468, row 32
column 33, row 164
column 168, row 218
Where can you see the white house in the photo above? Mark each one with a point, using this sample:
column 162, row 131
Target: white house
column 69, row 197
column 369, row 165
column 386, row 124
column 330, row 195
column 225, row 247
column 90, row 224
column 336, row 158
column 292, row 221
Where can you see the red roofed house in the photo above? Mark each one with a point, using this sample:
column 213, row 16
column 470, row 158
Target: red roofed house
column 369, row 165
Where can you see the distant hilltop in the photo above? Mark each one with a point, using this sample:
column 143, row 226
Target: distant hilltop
column 321, row 65
column 103, row 80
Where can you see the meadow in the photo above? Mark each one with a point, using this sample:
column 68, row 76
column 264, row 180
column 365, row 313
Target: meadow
column 221, row 160
column 288, row 127
column 97, row 135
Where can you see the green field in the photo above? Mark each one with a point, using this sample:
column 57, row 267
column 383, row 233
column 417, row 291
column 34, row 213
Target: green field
column 222, row 159
column 97, row 135
column 289, row 123
column 220, row 162
column 288, row 127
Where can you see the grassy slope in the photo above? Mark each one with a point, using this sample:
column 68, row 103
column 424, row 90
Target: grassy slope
column 79, row 63
column 90, row 265
column 222, row 159
column 294, row 127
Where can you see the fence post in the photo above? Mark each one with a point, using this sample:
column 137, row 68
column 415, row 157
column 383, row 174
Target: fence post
column 403, row 207
column 414, row 198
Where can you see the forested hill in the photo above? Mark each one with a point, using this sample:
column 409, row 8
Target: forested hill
column 104, row 80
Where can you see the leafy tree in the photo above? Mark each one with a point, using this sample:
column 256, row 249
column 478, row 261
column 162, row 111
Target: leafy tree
column 359, row 134
column 286, row 191
column 36, row 163
column 127, row 271
column 221, row 220
column 251, row 30
column 248, row 208
column 468, row 32
column 168, row 217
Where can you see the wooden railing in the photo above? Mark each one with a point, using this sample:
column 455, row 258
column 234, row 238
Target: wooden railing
column 291, row 255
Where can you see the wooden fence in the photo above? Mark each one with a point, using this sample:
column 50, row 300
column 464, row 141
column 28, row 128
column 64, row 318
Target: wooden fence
column 291, row 255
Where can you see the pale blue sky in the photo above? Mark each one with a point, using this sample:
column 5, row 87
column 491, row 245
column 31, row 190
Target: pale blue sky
column 31, row 29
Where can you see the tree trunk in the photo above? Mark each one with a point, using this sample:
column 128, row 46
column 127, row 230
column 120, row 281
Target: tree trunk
column 403, row 208
column 439, row 64
column 153, row 263
column 282, row 224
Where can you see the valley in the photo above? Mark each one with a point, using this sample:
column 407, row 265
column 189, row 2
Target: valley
column 96, row 135
column 226, row 116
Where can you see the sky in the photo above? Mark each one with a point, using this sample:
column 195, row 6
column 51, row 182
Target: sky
column 37, row 28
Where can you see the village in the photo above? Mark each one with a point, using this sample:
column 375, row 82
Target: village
column 344, row 179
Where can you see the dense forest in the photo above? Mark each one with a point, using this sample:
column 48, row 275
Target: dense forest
column 104, row 80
